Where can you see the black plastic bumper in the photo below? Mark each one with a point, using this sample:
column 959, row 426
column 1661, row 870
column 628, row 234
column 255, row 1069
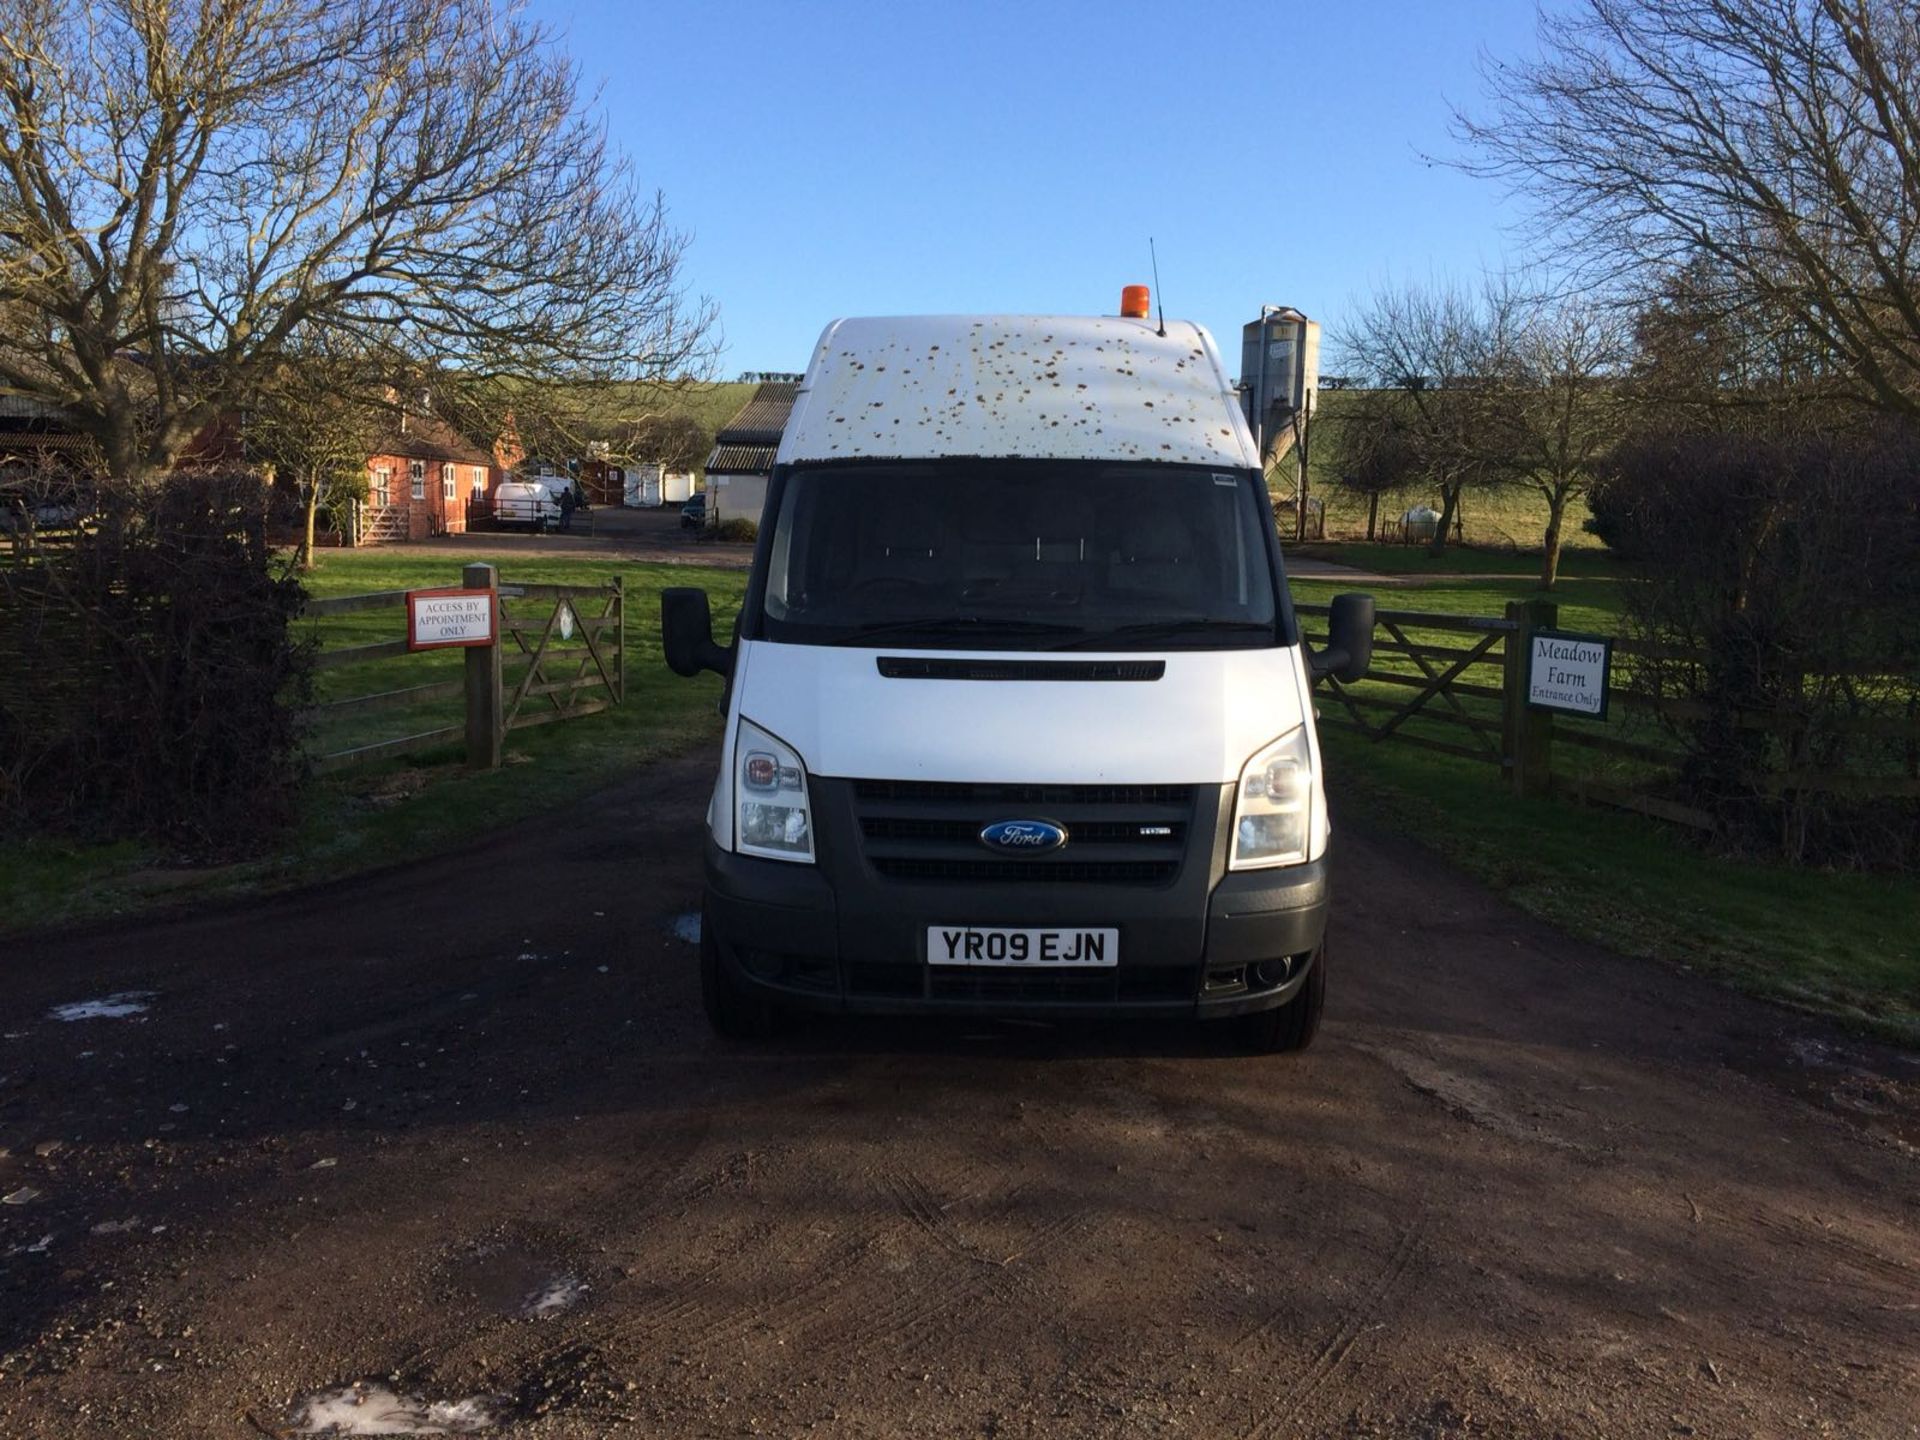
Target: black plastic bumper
column 839, row 939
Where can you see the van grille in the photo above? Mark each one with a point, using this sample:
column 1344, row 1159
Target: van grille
column 928, row 832
column 1140, row 982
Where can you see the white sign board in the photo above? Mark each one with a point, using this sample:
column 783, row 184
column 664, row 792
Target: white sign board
column 1569, row 673
column 439, row 618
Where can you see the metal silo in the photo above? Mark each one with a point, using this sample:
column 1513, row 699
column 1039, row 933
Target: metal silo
column 1279, row 369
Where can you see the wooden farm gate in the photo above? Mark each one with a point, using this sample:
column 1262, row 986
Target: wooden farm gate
column 560, row 653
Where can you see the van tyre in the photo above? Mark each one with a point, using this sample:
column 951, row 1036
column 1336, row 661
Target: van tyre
column 733, row 1013
column 1293, row 1025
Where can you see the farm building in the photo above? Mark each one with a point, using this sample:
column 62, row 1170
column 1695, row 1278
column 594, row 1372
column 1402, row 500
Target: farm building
column 743, row 451
column 424, row 479
column 634, row 484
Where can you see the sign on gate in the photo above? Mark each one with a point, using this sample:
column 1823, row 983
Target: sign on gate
column 1569, row 673
column 437, row 619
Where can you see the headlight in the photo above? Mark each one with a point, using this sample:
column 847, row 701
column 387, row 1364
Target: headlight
column 1273, row 806
column 771, row 818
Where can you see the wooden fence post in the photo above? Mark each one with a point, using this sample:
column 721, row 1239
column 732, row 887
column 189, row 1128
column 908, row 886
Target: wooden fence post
column 483, row 680
column 1526, row 733
column 620, row 635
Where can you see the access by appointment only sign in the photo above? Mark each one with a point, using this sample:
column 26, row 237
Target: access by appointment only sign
column 1570, row 673
column 437, row 619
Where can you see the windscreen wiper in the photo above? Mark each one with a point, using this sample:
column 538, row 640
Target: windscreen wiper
column 944, row 626
column 1188, row 625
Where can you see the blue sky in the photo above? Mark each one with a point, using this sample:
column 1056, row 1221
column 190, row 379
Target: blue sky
column 834, row 159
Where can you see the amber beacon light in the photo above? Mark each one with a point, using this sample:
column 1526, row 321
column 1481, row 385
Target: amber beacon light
column 1134, row 302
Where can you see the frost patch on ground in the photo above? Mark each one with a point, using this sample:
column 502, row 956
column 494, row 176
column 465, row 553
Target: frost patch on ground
column 562, row 1293
column 687, row 927
column 376, row 1410
column 111, row 1007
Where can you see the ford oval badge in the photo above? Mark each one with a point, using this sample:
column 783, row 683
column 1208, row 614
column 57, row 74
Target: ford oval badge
column 1025, row 837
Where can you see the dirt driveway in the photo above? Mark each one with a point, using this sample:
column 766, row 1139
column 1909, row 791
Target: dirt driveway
column 608, row 533
column 459, row 1130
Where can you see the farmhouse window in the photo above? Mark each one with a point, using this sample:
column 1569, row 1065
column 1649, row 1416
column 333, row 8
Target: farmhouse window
column 383, row 486
column 417, row 472
column 446, row 481
column 479, row 481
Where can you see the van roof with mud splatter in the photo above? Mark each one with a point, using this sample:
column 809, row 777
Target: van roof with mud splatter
column 1027, row 386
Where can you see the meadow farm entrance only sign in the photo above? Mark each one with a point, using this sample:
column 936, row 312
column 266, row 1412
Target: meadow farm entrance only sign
column 1569, row 673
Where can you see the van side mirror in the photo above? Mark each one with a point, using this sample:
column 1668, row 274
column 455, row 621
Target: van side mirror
column 686, row 634
column 1349, row 650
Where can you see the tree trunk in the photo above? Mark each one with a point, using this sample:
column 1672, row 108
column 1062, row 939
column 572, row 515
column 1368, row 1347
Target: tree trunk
column 1373, row 513
column 305, row 559
column 1550, row 554
column 1449, row 506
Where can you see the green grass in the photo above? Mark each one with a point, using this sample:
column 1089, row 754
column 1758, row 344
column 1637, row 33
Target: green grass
column 1413, row 560
column 1840, row 945
column 1584, row 603
column 397, row 809
column 1507, row 517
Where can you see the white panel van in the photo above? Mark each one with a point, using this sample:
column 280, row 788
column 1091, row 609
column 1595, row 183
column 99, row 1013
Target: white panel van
column 1018, row 717
column 525, row 502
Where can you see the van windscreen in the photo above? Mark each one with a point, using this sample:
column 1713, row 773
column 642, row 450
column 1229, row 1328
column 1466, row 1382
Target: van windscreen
column 1021, row 555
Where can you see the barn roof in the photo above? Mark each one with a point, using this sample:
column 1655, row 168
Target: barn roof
column 741, row 460
column 746, row 444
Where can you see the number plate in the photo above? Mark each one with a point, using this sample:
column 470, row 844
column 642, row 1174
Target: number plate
column 975, row 945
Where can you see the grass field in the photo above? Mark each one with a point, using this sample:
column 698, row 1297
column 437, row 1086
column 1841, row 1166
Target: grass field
column 1509, row 517
column 1457, row 560
column 1840, row 944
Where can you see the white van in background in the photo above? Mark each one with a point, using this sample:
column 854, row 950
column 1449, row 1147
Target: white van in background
column 527, row 503
column 1019, row 720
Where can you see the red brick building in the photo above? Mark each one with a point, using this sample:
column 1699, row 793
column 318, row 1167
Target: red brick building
column 424, row 480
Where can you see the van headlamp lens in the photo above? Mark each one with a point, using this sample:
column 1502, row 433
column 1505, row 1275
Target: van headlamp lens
column 1274, row 805
column 771, row 816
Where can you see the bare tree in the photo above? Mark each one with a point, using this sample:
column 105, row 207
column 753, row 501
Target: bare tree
column 186, row 185
column 1777, row 140
column 1441, row 359
column 674, row 440
column 1564, row 410
column 1373, row 452
column 313, row 421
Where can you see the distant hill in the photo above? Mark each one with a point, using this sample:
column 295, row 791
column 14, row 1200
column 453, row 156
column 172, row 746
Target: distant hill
column 709, row 404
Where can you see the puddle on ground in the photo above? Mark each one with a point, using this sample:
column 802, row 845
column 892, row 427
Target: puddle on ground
column 687, row 927
column 368, row 1409
column 110, row 1007
column 511, row 1280
column 563, row 1292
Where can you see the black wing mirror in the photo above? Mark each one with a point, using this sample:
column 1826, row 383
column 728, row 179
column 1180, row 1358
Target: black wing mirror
column 1349, row 650
column 686, row 634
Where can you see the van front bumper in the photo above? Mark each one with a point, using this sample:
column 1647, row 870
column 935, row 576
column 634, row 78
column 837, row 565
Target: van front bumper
column 843, row 940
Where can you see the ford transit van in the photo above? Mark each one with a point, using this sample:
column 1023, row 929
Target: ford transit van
column 1018, row 718
column 525, row 502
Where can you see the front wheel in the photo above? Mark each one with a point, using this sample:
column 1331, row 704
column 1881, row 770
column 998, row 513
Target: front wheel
column 1293, row 1025
column 733, row 1013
